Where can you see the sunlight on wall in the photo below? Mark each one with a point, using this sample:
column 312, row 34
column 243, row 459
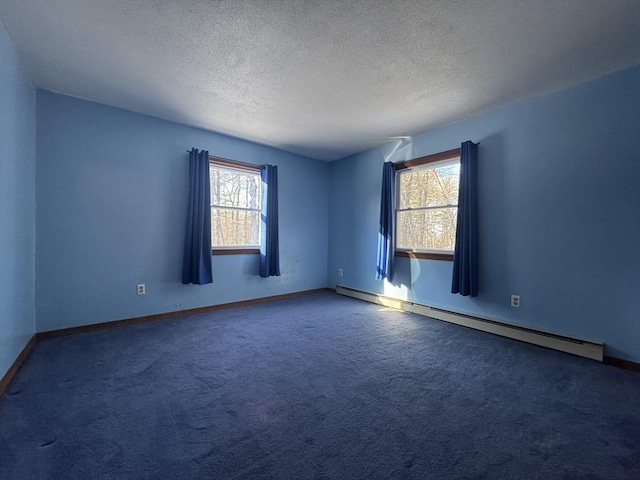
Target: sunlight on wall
column 402, row 150
column 414, row 269
column 395, row 291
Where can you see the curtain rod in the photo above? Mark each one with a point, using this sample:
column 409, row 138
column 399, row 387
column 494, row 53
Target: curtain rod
column 233, row 163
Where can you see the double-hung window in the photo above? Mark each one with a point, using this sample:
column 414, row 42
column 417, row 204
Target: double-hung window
column 427, row 206
column 235, row 207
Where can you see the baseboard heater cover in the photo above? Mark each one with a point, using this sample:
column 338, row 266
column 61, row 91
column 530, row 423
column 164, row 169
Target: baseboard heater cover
column 575, row 346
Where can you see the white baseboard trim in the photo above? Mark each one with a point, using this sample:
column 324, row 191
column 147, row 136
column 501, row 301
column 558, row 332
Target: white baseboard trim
column 575, row 346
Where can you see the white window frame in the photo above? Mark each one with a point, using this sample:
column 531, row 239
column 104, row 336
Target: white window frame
column 245, row 168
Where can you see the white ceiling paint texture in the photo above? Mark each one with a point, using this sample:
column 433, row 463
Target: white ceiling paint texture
column 323, row 79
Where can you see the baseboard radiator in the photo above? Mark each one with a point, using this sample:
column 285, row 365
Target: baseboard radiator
column 571, row 345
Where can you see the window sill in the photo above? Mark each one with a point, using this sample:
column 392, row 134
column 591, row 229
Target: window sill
column 425, row 255
column 235, row 251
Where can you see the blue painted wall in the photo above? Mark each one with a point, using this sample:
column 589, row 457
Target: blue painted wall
column 111, row 195
column 559, row 212
column 17, row 204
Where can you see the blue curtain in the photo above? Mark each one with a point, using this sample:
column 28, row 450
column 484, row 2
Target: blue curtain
column 196, row 262
column 386, row 234
column 269, row 248
column 465, row 257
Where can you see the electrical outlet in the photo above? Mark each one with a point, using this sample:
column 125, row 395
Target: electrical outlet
column 141, row 289
column 515, row 301
column 340, row 272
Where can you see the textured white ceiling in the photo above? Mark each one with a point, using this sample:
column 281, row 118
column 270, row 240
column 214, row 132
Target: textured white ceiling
column 321, row 78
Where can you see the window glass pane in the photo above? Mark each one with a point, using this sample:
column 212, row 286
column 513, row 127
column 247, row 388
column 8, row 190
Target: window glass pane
column 433, row 229
column 429, row 187
column 234, row 188
column 234, row 228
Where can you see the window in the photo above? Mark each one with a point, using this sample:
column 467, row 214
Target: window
column 427, row 206
column 235, row 207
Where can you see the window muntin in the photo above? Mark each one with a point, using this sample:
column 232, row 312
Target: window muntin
column 235, row 206
column 427, row 207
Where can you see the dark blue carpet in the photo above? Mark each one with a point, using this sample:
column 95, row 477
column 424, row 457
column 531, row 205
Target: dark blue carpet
column 317, row 387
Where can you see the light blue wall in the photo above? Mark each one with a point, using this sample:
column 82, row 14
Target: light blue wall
column 111, row 196
column 559, row 214
column 17, row 204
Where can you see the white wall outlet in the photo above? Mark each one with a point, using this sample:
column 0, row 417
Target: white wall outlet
column 515, row 301
column 340, row 272
column 141, row 289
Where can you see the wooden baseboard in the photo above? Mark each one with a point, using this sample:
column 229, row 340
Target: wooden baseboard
column 6, row 379
column 15, row 366
column 619, row 362
column 160, row 316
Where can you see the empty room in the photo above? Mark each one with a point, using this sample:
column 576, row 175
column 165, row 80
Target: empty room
column 300, row 239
